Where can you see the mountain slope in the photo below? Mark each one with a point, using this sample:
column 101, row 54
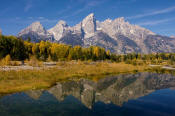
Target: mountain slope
column 36, row 32
column 116, row 35
column 59, row 30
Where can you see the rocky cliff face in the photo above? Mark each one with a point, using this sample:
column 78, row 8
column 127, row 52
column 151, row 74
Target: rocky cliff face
column 89, row 26
column 116, row 35
column 59, row 30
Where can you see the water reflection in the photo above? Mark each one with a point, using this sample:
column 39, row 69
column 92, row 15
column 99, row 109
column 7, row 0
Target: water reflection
column 110, row 96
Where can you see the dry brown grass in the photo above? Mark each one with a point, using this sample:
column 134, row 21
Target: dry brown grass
column 8, row 62
column 34, row 62
column 14, row 81
column 5, row 61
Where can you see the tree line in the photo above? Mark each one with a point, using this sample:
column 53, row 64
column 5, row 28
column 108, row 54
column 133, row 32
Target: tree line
column 19, row 49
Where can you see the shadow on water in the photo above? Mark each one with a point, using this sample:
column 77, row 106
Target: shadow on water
column 141, row 94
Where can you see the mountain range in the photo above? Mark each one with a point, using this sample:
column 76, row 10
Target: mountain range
column 118, row 36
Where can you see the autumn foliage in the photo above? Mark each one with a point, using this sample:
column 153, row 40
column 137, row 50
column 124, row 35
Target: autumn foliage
column 19, row 49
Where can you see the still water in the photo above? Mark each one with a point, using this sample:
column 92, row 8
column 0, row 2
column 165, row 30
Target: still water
column 142, row 94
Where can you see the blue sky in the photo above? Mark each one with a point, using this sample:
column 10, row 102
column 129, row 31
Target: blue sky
column 156, row 15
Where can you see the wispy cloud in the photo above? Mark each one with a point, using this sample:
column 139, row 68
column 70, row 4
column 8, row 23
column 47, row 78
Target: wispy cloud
column 95, row 2
column 64, row 10
column 156, row 12
column 28, row 6
column 42, row 19
column 48, row 20
column 87, row 5
column 156, row 22
column 32, row 19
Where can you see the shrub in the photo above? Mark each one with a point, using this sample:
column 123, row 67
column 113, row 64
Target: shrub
column 128, row 62
column 15, row 63
column 34, row 61
column 134, row 62
column 6, row 61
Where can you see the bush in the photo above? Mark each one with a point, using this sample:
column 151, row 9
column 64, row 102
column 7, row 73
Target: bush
column 128, row 62
column 34, row 61
column 134, row 62
column 6, row 61
column 15, row 63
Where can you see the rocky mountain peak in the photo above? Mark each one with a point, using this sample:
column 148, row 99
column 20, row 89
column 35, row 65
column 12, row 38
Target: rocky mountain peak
column 37, row 23
column 108, row 20
column 89, row 19
column 35, row 32
column 89, row 25
column 58, row 30
column 62, row 23
column 34, row 27
column 90, row 16
column 116, row 35
column 120, row 20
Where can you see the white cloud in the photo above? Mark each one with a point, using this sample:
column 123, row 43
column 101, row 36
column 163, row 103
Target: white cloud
column 28, row 6
column 33, row 19
column 64, row 10
column 156, row 12
column 48, row 20
column 87, row 5
column 41, row 18
column 156, row 22
column 30, row 18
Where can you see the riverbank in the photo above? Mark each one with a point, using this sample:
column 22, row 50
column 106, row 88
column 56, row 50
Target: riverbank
column 20, row 80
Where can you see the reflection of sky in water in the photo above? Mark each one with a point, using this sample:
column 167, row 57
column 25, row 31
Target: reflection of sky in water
column 142, row 94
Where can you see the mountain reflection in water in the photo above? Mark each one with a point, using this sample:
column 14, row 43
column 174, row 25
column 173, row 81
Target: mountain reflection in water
column 124, row 95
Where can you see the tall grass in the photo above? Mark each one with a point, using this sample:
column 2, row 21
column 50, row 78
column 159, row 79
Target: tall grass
column 6, row 61
column 13, row 81
column 34, row 62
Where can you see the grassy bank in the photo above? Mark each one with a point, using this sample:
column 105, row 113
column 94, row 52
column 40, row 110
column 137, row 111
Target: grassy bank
column 14, row 81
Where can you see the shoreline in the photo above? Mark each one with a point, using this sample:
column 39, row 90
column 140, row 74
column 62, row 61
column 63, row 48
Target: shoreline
column 21, row 78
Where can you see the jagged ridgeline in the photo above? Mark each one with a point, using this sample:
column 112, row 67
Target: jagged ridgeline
column 118, row 36
column 18, row 49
